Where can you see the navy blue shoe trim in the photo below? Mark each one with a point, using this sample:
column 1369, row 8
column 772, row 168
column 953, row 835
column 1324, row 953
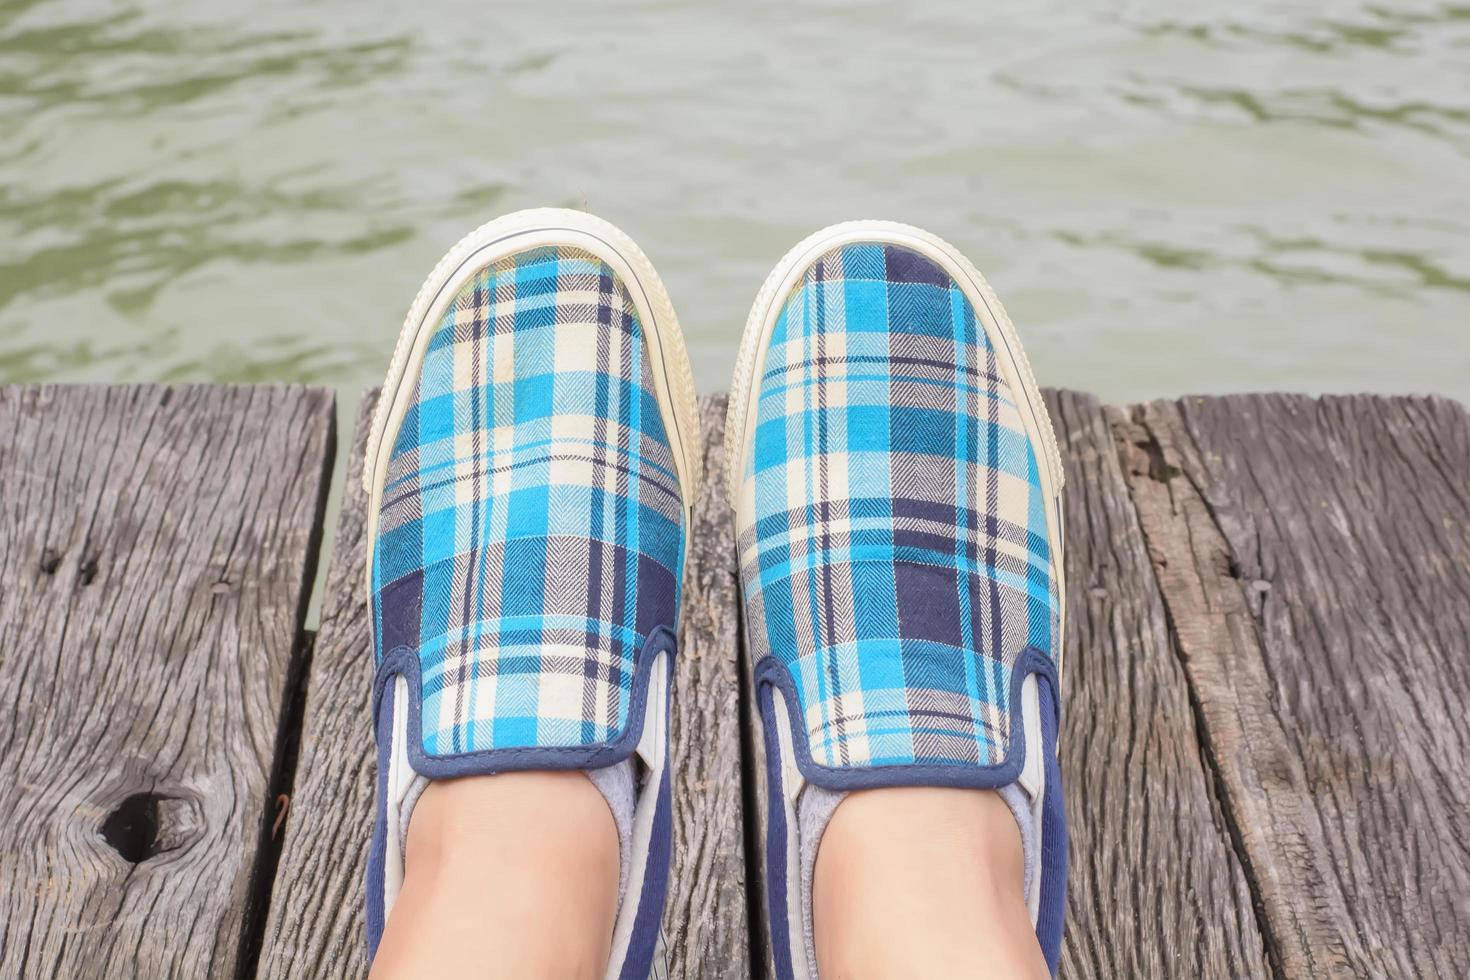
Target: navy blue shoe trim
column 771, row 676
column 404, row 662
column 643, row 944
column 772, row 672
column 776, row 836
column 378, row 851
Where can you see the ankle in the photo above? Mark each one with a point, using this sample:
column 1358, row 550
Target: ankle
column 553, row 827
column 554, row 811
column 516, row 873
column 922, row 881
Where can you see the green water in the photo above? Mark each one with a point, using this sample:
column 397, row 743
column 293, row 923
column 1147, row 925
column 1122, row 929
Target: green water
column 1175, row 197
column 1180, row 197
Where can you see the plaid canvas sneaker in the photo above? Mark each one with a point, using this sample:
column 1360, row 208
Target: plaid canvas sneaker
column 896, row 485
column 530, row 472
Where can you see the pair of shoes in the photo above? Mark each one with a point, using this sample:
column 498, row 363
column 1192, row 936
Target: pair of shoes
column 896, row 483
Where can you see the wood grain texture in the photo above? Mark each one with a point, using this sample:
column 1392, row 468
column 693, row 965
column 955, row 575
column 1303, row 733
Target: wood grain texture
column 705, row 920
column 1263, row 691
column 1315, row 559
column 316, row 926
column 1155, row 888
column 156, row 553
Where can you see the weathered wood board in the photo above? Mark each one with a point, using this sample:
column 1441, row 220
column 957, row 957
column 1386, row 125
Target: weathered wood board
column 706, row 921
column 1155, row 887
column 1264, row 691
column 157, row 547
column 1314, row 555
column 316, row 927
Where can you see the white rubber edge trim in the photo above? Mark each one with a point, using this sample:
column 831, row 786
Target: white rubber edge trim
column 505, row 236
column 750, row 364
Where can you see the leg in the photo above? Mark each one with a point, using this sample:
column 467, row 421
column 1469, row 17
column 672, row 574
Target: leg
column 530, row 474
column 897, row 484
column 514, row 875
column 922, row 882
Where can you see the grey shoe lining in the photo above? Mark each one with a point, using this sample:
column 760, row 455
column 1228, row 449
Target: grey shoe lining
column 619, row 787
column 814, row 809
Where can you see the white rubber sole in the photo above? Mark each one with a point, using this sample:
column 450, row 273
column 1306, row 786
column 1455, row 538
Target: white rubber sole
column 505, row 236
column 1016, row 369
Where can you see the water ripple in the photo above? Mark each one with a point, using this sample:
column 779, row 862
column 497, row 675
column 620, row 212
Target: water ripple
column 1205, row 197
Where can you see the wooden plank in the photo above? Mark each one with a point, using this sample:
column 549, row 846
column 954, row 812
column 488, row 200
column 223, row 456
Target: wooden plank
column 705, row 921
column 156, row 554
column 315, row 927
column 1315, row 559
column 1155, row 887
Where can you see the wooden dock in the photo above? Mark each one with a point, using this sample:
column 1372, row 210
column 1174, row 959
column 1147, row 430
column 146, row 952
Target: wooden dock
column 1265, row 694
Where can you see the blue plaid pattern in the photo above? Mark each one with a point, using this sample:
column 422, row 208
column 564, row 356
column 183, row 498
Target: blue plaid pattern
column 531, row 529
column 897, row 559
